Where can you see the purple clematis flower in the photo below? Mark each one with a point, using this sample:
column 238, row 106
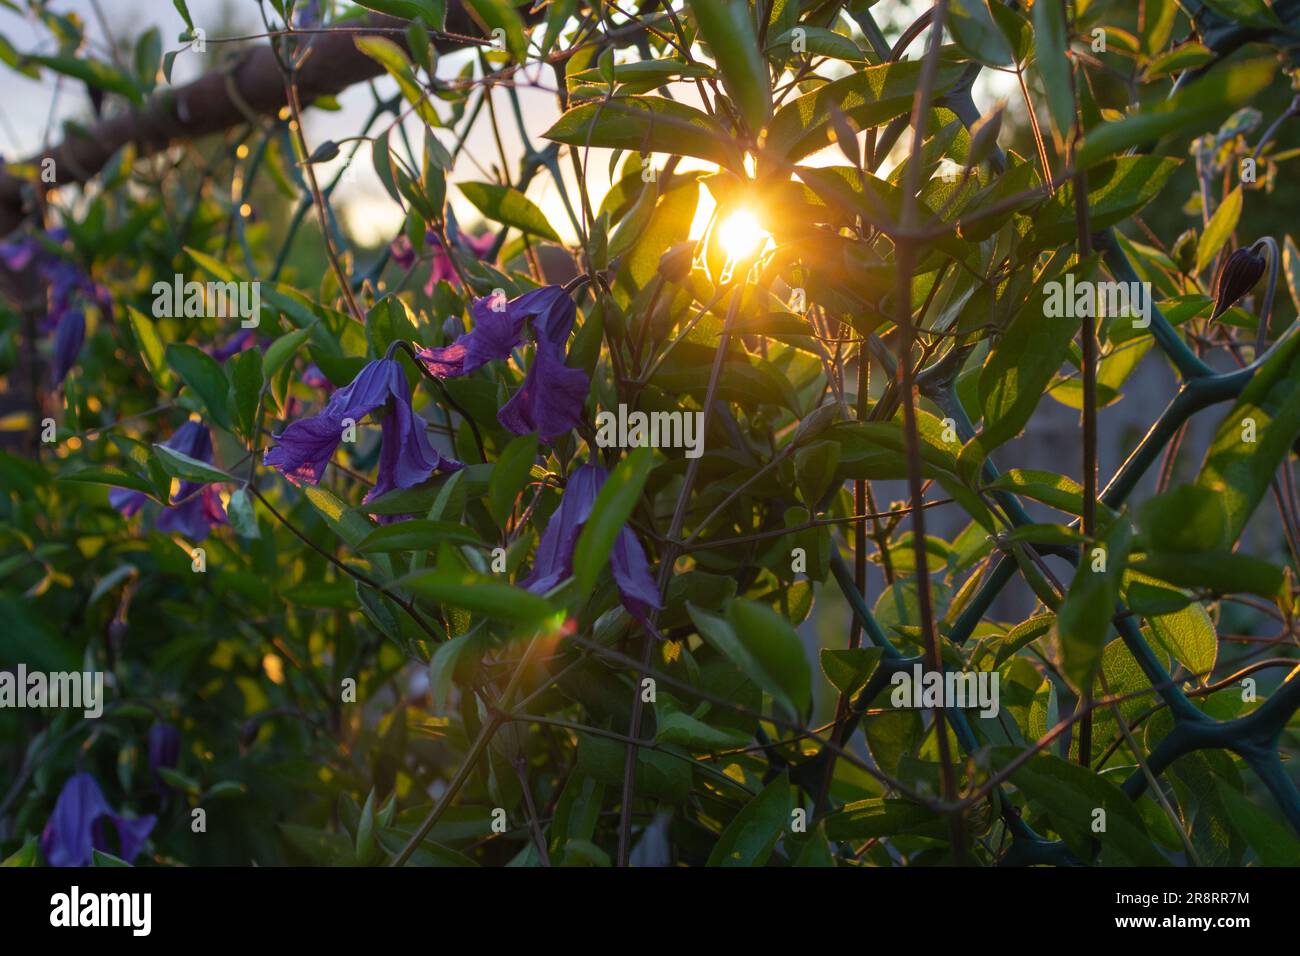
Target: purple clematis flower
column 313, row 377
column 478, row 246
column 551, row 398
column 196, row 507
column 406, row 458
column 68, row 339
column 164, row 743
column 308, row 16
column 69, row 288
column 243, row 339
column 553, row 561
column 76, row 827
column 404, row 255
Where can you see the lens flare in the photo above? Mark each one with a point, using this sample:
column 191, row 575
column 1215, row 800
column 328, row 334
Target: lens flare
column 740, row 235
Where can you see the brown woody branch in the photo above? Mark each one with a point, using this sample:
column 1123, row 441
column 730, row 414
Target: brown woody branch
column 222, row 98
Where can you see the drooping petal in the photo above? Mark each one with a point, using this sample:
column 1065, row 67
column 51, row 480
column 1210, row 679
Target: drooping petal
column 243, row 339
column 305, row 447
column 402, row 251
column 74, row 830
column 69, row 338
column 126, row 501
column 441, row 267
column 194, row 440
column 164, row 741
column 551, row 400
column 550, row 309
column 553, row 561
column 446, row 361
column 132, row 833
column 406, row 458
column 631, row 571
column 313, row 377
column 68, row 839
column 195, row 515
column 497, row 331
column 18, row 255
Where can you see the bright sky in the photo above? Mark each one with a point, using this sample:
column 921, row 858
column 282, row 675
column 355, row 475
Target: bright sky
column 370, row 214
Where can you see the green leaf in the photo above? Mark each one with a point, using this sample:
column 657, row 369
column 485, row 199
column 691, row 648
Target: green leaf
column 446, row 659
column 869, row 97
column 246, row 373
column 509, row 475
column 1188, row 56
column 814, row 470
column 1051, row 39
column 818, row 41
column 201, row 372
column 609, row 514
column 1116, row 190
column 1250, row 13
column 972, row 27
column 1224, row 572
column 502, row 15
column 765, row 648
column 183, row 9
column 510, row 208
column 417, row 534
column 182, row 466
column 1273, row 843
column 849, row 669
column 364, row 846
column 676, row 727
column 1188, row 635
column 151, row 348
column 480, row 595
column 1020, row 367
column 1237, row 472
column 107, row 859
column 1070, row 795
column 1196, row 108
column 101, row 76
column 148, row 57
column 242, row 516
column 876, row 817
column 752, row 834
column 25, row 855
column 1219, row 230
column 433, row 12
column 1058, row 491
column 1083, row 619
column 727, row 26
column 108, row 475
column 393, row 59
column 648, row 124
column 660, row 775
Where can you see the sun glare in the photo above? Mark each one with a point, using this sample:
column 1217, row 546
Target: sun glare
column 740, row 235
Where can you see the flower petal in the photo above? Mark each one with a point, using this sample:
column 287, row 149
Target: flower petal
column 551, row 400
column 553, row 561
column 306, row 446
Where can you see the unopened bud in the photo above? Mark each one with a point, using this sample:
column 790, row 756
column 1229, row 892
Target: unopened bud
column 675, row 264
column 1240, row 272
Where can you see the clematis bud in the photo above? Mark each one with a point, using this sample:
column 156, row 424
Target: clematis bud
column 164, row 750
column 1240, row 272
column 675, row 264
